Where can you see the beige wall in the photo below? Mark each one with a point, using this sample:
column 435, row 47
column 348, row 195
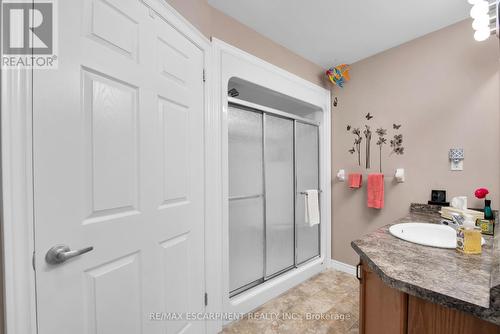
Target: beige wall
column 444, row 90
column 213, row 23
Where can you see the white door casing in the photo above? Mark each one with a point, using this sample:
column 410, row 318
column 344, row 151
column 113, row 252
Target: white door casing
column 118, row 154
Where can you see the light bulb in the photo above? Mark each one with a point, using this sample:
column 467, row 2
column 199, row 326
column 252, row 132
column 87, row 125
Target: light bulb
column 482, row 35
column 480, row 8
column 472, row 2
column 481, row 22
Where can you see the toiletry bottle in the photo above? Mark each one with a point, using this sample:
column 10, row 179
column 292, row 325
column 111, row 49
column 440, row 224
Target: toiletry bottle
column 469, row 236
column 488, row 214
column 487, row 226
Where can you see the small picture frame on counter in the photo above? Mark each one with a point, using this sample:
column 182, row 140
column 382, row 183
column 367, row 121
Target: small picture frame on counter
column 438, row 197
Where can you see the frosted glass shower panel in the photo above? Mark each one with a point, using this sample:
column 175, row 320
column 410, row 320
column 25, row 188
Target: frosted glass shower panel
column 278, row 162
column 307, row 177
column 245, row 152
column 246, row 198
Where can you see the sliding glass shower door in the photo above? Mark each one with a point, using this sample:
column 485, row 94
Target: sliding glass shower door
column 272, row 160
column 279, row 189
column 246, row 199
column 307, row 177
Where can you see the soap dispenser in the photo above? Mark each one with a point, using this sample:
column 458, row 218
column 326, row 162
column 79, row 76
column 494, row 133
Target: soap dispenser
column 469, row 236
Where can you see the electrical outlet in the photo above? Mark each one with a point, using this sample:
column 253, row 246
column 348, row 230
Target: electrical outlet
column 456, row 165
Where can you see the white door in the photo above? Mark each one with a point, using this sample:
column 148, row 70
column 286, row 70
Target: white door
column 118, row 166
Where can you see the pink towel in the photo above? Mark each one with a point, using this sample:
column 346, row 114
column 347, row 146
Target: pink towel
column 355, row 180
column 376, row 191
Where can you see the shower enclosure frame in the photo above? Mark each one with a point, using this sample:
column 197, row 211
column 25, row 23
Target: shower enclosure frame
column 265, row 112
column 230, row 62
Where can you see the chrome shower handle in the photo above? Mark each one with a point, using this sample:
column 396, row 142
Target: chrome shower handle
column 305, row 193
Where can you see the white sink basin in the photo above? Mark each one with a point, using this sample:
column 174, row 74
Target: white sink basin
column 426, row 234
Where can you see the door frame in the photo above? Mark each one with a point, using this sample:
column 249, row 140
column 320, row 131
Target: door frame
column 18, row 243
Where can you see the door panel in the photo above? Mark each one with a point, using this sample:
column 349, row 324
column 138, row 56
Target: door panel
column 113, row 27
column 109, row 308
column 110, row 113
column 176, row 293
column 175, row 140
column 246, row 204
column 118, row 165
column 278, row 157
column 307, row 174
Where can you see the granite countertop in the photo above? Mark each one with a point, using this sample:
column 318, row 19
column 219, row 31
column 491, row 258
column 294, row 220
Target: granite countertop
column 442, row 276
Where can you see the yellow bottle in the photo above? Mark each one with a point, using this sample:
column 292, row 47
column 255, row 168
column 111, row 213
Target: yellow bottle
column 469, row 237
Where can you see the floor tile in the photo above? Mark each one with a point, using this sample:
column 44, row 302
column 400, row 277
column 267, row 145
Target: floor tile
column 325, row 304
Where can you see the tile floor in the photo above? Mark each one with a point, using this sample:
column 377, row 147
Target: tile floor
column 332, row 295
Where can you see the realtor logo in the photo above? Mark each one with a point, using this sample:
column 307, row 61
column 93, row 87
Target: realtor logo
column 29, row 34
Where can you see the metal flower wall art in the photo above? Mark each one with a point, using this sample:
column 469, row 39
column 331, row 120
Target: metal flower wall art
column 357, row 142
column 396, row 143
column 381, row 133
column 368, row 141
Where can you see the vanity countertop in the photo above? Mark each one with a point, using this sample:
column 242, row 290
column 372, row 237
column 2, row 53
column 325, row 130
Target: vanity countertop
column 442, row 276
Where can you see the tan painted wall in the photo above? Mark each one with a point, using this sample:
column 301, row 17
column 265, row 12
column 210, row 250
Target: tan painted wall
column 444, row 90
column 442, row 87
column 213, row 23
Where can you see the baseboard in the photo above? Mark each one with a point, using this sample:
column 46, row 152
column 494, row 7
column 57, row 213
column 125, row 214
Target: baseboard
column 344, row 267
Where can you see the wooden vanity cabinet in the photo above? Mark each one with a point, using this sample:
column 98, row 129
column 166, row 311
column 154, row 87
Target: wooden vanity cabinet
column 384, row 310
column 429, row 318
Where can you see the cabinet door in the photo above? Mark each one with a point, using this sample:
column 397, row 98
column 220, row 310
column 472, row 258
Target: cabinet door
column 426, row 317
column 383, row 310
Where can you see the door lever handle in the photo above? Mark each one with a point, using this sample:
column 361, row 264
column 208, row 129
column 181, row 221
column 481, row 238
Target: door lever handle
column 59, row 254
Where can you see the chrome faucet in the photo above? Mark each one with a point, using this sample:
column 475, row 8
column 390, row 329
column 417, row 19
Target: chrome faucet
column 457, row 221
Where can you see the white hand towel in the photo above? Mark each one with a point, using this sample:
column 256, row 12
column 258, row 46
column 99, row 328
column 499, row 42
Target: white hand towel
column 312, row 207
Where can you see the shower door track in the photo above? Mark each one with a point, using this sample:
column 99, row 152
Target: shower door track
column 268, row 110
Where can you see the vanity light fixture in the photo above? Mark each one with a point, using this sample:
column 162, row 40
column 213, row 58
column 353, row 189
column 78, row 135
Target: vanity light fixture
column 480, row 8
column 485, row 15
